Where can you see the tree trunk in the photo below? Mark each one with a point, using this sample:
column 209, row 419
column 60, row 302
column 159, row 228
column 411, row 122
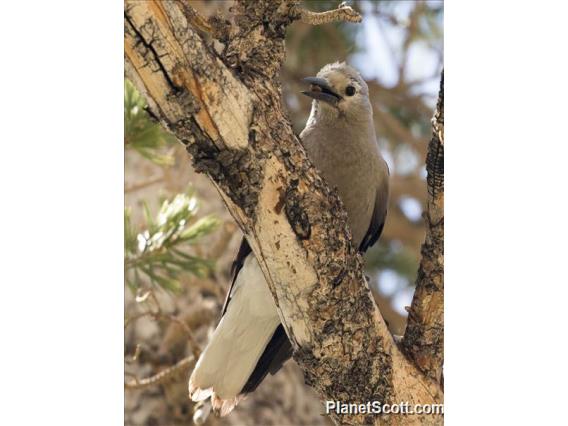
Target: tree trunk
column 226, row 107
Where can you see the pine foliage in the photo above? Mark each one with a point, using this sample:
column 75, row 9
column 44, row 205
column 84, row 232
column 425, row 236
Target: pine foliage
column 142, row 134
column 164, row 249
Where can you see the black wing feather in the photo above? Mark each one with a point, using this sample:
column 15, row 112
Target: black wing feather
column 279, row 348
column 276, row 353
column 244, row 251
column 375, row 228
column 379, row 214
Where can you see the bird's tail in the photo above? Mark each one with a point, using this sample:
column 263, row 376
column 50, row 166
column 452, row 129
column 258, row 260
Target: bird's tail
column 237, row 344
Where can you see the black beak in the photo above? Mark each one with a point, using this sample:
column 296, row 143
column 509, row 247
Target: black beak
column 321, row 91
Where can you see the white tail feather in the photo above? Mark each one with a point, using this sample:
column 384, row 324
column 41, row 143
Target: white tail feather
column 237, row 343
column 197, row 394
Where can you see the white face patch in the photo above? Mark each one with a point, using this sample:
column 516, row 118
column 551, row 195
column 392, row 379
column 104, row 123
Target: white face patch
column 354, row 103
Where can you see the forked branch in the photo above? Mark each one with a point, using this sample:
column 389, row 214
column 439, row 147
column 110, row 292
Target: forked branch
column 227, row 109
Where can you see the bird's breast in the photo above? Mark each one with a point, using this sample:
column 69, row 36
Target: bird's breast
column 349, row 164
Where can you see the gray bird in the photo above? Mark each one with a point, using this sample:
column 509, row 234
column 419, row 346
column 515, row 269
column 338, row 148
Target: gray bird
column 249, row 341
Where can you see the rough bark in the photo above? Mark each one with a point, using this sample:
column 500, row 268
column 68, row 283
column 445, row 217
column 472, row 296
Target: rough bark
column 227, row 109
column 424, row 336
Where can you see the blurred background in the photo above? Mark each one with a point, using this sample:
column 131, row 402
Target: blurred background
column 180, row 239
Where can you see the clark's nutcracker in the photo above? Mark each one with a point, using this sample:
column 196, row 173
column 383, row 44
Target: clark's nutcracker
column 340, row 140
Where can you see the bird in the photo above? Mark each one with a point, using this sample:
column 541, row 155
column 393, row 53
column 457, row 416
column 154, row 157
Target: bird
column 339, row 138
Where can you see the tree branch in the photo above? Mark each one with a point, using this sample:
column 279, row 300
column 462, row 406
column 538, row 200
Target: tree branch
column 228, row 111
column 424, row 336
column 164, row 376
column 342, row 13
column 195, row 18
column 215, row 25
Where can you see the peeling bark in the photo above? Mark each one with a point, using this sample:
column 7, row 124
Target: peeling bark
column 227, row 109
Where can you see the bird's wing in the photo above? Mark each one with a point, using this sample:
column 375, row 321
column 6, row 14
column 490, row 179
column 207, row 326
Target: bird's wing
column 379, row 215
column 244, row 251
column 276, row 353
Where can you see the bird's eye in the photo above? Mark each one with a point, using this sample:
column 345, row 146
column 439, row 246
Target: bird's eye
column 349, row 90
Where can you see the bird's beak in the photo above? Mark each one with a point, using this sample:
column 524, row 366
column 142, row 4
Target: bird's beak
column 321, row 91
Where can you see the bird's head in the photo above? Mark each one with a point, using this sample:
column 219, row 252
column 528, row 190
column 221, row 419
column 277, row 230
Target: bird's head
column 339, row 92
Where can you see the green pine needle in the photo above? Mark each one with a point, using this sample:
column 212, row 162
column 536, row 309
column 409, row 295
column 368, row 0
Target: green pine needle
column 142, row 134
column 161, row 253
